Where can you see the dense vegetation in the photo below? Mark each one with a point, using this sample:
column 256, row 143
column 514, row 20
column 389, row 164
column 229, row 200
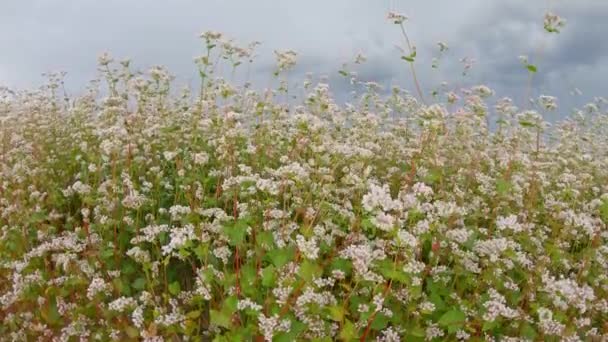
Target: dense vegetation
column 138, row 212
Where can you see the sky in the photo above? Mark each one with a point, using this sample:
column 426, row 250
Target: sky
column 38, row 36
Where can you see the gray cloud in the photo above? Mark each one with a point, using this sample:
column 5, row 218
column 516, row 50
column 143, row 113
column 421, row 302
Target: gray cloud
column 39, row 36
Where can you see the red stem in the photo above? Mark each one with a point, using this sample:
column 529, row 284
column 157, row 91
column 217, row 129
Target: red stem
column 371, row 319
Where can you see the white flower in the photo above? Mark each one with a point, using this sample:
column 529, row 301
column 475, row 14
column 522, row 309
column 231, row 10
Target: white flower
column 134, row 200
column 178, row 211
column 269, row 326
column 104, row 59
column 139, row 255
column 247, row 303
column 360, row 58
column 379, row 197
column 492, row 248
column 432, row 332
column 169, row 155
column 121, row 304
column 286, row 59
column 138, row 317
column 523, row 59
column 201, row 158
column 509, row 223
column 497, row 306
column 97, row 285
column 309, row 248
column 407, row 239
column 548, row 102
column 422, row 189
column 389, row 335
column 396, row 18
column 553, row 23
column 383, row 221
column 223, row 253
column 427, row 306
column 565, row 292
column 80, row 188
column 459, row 235
column 179, row 236
column 211, row 35
column 483, row 91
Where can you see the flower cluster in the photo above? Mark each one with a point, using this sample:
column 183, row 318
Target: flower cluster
column 228, row 214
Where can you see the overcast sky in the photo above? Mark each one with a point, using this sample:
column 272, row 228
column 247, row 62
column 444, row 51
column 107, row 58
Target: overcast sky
column 67, row 35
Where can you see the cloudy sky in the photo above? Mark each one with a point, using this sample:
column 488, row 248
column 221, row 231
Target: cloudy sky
column 67, row 35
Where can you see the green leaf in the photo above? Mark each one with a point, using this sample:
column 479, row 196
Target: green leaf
column 436, row 299
column 128, row 267
column 296, row 328
column 220, row 338
column 248, row 279
column 453, row 320
column 525, row 123
column 220, row 318
column 355, row 301
column 410, row 58
column 37, row 217
column 201, row 251
column 174, row 288
column 139, row 283
column 503, row 186
column 604, row 211
column 230, row 305
column 132, row 331
column 380, row 322
column 265, row 239
column 107, row 253
column 122, row 286
column 308, row 270
column 336, row 313
column 51, row 314
column 240, row 334
column 388, row 269
column 489, row 325
column 193, row 314
column 367, row 225
column 236, row 232
column 348, row 331
column 280, row 257
column 343, row 265
column 528, row 331
column 531, row 68
column 269, row 276
column 418, row 332
column 433, row 176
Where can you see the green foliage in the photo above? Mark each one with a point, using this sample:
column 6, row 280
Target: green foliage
column 453, row 320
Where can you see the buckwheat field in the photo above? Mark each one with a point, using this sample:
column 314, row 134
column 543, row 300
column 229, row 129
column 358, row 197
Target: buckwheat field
column 143, row 211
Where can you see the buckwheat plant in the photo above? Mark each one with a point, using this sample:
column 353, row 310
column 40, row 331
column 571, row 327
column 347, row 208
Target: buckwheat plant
column 143, row 212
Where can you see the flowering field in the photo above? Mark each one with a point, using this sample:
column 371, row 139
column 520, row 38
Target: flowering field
column 138, row 212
